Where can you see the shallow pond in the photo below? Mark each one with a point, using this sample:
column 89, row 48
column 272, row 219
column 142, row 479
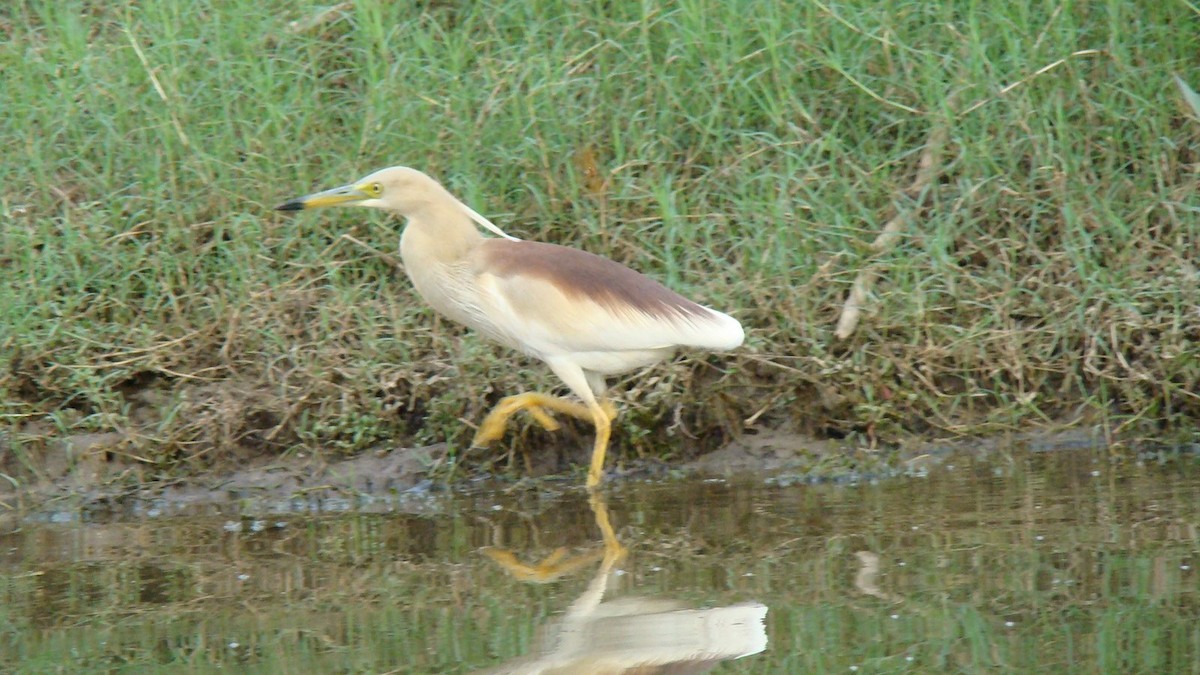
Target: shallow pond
column 1073, row 561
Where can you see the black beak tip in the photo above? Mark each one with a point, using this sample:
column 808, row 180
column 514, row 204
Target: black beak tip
column 294, row 205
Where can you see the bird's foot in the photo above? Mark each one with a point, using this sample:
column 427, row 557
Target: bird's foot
column 490, row 430
column 493, row 426
column 543, row 418
column 553, row 567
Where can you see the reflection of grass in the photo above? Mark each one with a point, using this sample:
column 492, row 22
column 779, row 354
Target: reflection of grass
column 744, row 153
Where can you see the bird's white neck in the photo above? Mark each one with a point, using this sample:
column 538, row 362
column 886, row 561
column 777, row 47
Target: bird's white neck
column 439, row 231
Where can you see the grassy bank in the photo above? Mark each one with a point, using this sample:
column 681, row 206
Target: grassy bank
column 745, row 153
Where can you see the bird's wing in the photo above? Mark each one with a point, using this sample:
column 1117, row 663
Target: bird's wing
column 554, row 299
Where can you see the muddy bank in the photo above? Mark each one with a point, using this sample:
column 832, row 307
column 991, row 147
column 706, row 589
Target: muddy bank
column 90, row 473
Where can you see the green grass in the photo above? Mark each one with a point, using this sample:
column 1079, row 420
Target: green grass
column 745, row 153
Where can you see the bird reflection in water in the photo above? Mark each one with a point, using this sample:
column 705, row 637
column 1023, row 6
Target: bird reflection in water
column 631, row 634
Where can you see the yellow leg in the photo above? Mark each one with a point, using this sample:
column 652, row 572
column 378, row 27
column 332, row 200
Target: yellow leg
column 603, row 421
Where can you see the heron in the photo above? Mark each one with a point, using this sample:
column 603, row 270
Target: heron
column 587, row 317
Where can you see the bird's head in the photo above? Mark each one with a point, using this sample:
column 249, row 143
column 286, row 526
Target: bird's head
column 397, row 188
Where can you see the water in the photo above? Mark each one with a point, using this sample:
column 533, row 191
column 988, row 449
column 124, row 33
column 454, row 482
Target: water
column 1052, row 562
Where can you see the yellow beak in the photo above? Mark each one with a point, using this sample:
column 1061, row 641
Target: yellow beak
column 347, row 194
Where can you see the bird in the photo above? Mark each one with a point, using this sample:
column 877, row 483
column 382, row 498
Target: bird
column 585, row 316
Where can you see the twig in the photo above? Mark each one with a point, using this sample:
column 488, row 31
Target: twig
column 869, row 92
column 928, row 168
column 1040, row 71
column 162, row 93
column 864, row 32
column 328, row 15
column 386, row 257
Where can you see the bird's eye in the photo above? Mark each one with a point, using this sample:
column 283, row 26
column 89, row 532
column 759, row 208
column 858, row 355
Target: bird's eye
column 373, row 189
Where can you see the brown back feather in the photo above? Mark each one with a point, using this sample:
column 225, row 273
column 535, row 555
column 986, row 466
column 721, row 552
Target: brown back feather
column 582, row 274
